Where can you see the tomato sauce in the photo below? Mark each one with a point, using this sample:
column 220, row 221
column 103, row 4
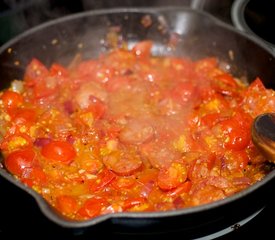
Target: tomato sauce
column 132, row 132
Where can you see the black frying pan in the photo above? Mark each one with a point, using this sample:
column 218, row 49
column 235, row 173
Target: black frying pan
column 201, row 35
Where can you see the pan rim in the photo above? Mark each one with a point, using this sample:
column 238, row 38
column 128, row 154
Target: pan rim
column 153, row 10
column 238, row 19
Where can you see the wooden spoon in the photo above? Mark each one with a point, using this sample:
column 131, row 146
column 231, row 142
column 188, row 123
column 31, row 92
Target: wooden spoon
column 263, row 135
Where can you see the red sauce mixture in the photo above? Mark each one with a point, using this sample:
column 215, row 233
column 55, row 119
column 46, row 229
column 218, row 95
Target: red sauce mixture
column 130, row 132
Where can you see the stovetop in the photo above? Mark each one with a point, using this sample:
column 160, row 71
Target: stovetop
column 31, row 222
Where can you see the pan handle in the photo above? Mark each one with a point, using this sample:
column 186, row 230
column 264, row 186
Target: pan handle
column 238, row 19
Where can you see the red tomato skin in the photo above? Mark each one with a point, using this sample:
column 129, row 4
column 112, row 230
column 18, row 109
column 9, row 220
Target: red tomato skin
column 256, row 84
column 19, row 160
column 91, row 208
column 24, row 116
column 104, row 178
column 237, row 129
column 59, row 151
column 58, row 70
column 172, row 176
column 66, row 204
column 34, row 176
column 11, row 100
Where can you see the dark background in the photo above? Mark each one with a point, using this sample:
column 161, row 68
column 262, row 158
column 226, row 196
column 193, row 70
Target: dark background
column 19, row 213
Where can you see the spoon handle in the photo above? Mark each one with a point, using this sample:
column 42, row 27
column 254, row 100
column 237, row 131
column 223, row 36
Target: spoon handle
column 263, row 135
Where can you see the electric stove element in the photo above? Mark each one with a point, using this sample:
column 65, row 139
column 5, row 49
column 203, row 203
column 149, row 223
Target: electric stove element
column 230, row 228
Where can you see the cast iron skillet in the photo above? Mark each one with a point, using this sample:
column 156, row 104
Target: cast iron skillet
column 201, row 35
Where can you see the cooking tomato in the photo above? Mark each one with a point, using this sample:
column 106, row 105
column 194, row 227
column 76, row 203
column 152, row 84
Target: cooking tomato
column 66, row 204
column 18, row 161
column 172, row 176
column 59, row 151
column 34, row 176
column 35, row 72
column 143, row 49
column 92, row 207
column 38, row 78
column 11, row 99
column 236, row 131
column 105, row 177
column 24, row 116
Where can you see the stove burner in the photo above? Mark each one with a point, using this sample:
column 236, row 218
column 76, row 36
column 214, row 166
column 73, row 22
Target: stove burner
column 256, row 18
column 230, row 228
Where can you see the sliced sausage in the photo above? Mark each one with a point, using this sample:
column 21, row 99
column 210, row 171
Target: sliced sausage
column 122, row 163
column 136, row 132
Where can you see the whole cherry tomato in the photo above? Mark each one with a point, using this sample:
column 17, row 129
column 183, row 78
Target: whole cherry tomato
column 59, row 151
column 17, row 161
column 11, row 99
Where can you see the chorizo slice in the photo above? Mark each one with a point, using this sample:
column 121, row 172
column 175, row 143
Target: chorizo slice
column 122, row 163
column 136, row 132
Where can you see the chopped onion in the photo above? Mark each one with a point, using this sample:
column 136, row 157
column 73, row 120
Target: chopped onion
column 40, row 142
column 17, row 86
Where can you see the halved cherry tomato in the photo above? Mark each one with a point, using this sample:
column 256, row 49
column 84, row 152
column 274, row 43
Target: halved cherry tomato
column 24, row 116
column 236, row 131
column 17, row 161
column 34, row 176
column 182, row 188
column 59, row 151
column 104, row 178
